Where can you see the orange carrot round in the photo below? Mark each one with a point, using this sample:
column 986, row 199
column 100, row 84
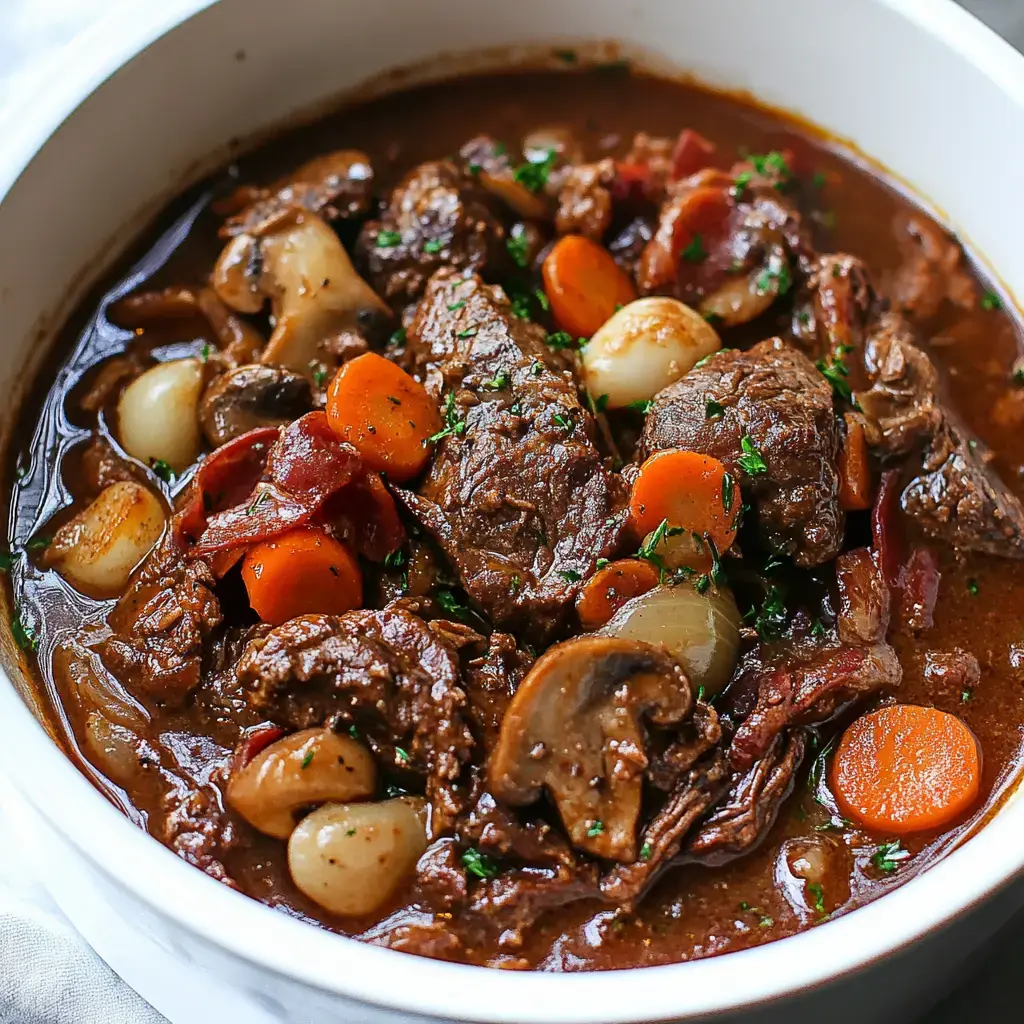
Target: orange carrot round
column 301, row 573
column 611, row 587
column 584, row 284
column 906, row 768
column 692, row 491
column 383, row 413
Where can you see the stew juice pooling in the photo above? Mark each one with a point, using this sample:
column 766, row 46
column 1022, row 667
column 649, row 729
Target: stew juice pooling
column 581, row 530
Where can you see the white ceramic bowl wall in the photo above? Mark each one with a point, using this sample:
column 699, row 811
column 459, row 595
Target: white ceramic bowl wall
column 138, row 108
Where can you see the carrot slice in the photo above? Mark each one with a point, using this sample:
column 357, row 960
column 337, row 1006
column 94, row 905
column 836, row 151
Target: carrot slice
column 611, row 587
column 384, row 414
column 584, row 284
column 301, row 573
column 906, row 768
column 692, row 491
column 854, row 468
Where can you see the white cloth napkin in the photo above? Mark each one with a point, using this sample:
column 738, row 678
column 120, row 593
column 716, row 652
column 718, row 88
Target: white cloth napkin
column 48, row 975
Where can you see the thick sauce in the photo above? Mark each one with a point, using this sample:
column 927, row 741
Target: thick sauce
column 694, row 911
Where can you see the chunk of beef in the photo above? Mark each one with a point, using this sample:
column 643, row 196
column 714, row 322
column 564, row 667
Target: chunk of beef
column 516, row 495
column 836, row 304
column 802, row 680
column 196, row 828
column 901, row 406
column 957, row 671
column 959, row 500
column 388, row 673
column 335, row 185
column 437, row 217
column 585, row 200
column 159, row 625
column 932, row 271
column 744, row 816
column 491, row 680
column 773, row 396
column 102, row 466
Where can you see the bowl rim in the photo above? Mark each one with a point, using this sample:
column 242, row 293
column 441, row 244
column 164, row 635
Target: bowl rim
column 291, row 949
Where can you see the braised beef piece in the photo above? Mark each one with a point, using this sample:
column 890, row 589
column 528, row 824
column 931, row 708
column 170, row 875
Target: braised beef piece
column 196, row 827
column 585, row 200
column 834, row 307
column 102, row 466
column 957, row 670
column 776, row 434
column 516, row 496
column 385, row 672
column 490, row 681
column 437, row 217
column 932, row 271
column 804, row 679
column 161, row 622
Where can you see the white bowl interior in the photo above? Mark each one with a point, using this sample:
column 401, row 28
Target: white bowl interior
column 917, row 84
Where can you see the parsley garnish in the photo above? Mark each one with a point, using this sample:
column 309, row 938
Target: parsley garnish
column 386, row 239
column 479, row 864
column 646, row 851
column 319, row 372
column 750, row 461
column 498, row 382
column 456, row 305
column 972, row 587
column 991, row 301
column 775, row 277
column 353, row 732
column 765, row 921
column 596, row 829
column 24, row 636
column 727, row 491
column 888, row 856
column 570, row 575
column 642, row 405
column 815, row 889
column 819, row 179
column 695, row 251
column 537, row 368
column 162, row 470
column 519, row 249
column 740, row 184
column 818, row 629
column 966, row 696
column 453, row 424
column 467, row 332
column 566, row 421
column 451, row 605
column 402, row 754
column 713, row 410
column 521, row 306
column 704, row 360
column 542, row 299
column 204, row 352
column 597, row 405
column 308, row 759
column 433, row 246
column 835, row 372
column 397, row 339
column 770, row 620
column 534, row 173
column 702, row 583
column 257, row 502
column 395, row 559
column 602, row 562
column 773, row 163
column 7, row 560
column 560, row 340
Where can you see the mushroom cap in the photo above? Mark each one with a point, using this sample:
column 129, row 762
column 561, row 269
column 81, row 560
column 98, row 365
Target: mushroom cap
column 250, row 396
column 575, row 727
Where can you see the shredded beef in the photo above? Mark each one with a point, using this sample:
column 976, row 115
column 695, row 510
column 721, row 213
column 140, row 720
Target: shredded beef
column 773, row 396
column 516, row 495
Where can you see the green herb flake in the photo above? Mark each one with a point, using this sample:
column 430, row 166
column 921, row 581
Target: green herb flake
column 520, row 305
column 770, row 620
column 819, row 180
column 456, row 305
column 43, row 541
column 479, row 864
column 308, row 759
column 395, row 559
column 534, row 173
column 888, row 856
column 702, row 583
column 160, row 468
column 259, row 500
column 646, row 851
column 704, row 360
column 204, row 352
column 966, row 696
column 596, row 829
column 453, row 423
column 972, row 587
column 397, row 339
column 643, row 406
column 468, row 332
column 728, row 492
column 318, row 372
column 713, row 410
column 432, row 247
column 990, row 301
column 565, row 421
column 559, row 340
column 818, row 895
column 566, row 56
column 695, row 251
column 739, row 186
column 24, row 636
column 498, row 382
column 353, row 732
column 750, row 460
column 386, row 239
column 403, row 755
column 818, row 629
column 765, row 921
column 835, row 372
column 518, row 247
column 451, row 605
column 542, row 299
column 7, row 560
column 537, row 368
column 776, row 278
column 350, row 832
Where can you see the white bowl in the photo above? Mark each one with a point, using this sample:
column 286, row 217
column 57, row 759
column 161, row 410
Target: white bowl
column 137, row 109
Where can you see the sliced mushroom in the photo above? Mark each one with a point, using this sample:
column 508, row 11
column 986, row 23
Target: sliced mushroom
column 300, row 771
column 315, row 291
column 249, row 397
column 575, row 727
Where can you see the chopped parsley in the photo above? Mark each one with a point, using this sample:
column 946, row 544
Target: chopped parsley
column 403, row 755
column 642, row 405
column 750, row 461
column 966, row 696
column 991, row 301
column 308, row 759
column 479, row 864
column 24, row 636
column 566, row 56
column 260, row 498
column 596, row 829
column 318, row 372
column 740, row 184
column 560, row 340
column 648, row 550
column 453, row 423
column 888, row 856
column 713, row 410
column 162, row 470
column 772, row 164
column 775, row 277
column 397, row 339
column 702, row 583
column 818, row 629
column 395, row 559
column 537, row 368
column 728, row 493
column 835, row 371
column 819, row 180
column 353, row 732
column 695, row 251
column 704, row 360
column 42, row 542
column 597, row 405
column 818, row 894
column 765, row 921
column 972, row 587
column 467, row 332
column 431, row 247
column 520, row 304
column 646, row 851
column 498, row 382
column 771, row 617
column 453, row 306
column 602, row 562
column 534, row 173
column 570, row 575
column 518, row 247
column 451, row 605
column 542, row 299
column 566, row 422
column 386, row 239
column 204, row 352
column 350, row 832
